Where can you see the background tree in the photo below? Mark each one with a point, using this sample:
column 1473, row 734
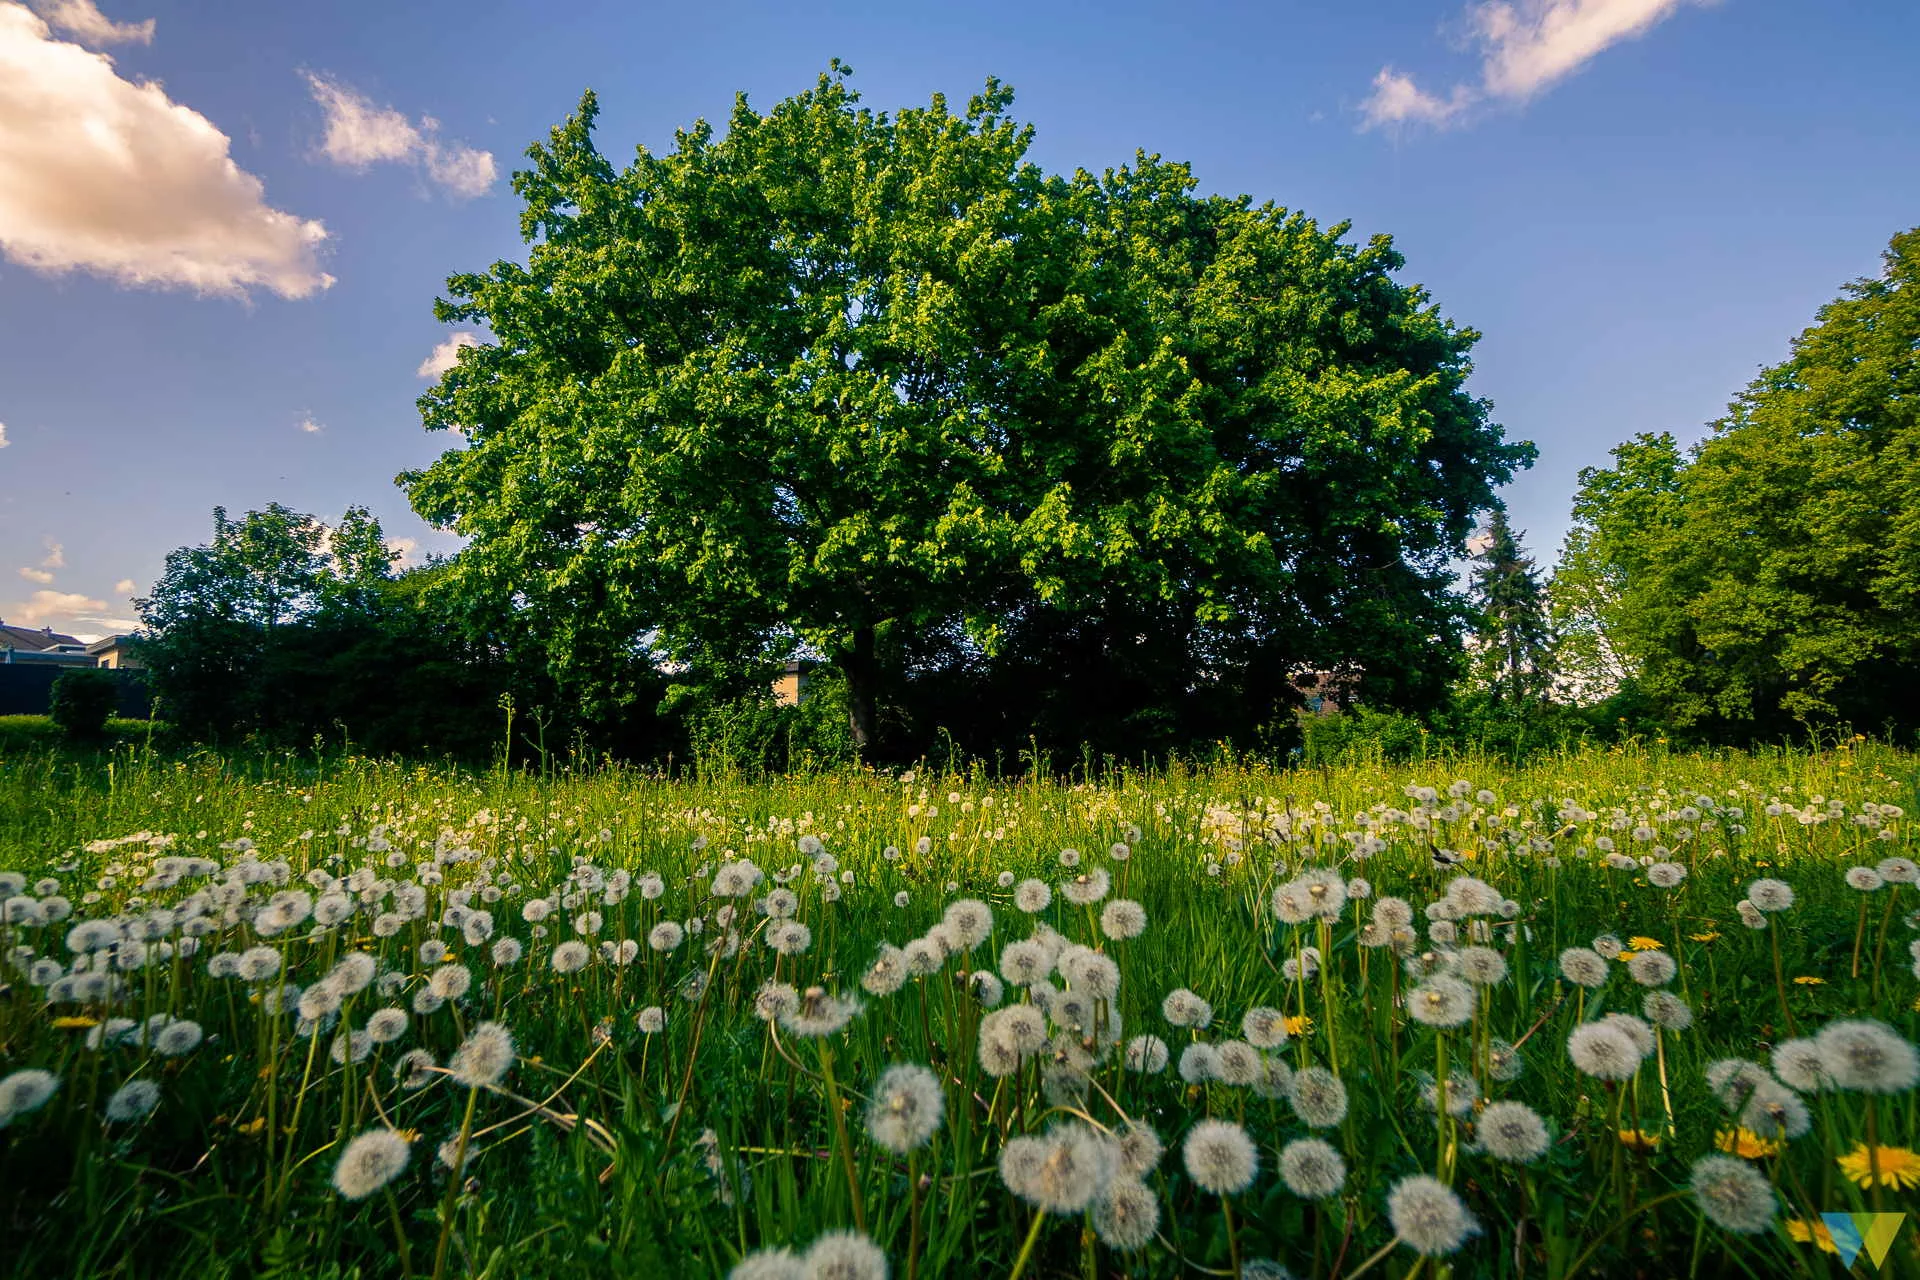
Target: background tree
column 1619, row 515
column 876, row 387
column 1774, row 582
column 1513, row 649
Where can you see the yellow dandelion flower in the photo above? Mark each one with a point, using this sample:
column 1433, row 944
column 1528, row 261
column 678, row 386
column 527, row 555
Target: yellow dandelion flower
column 1639, row 1139
column 73, row 1022
column 1899, row 1167
column 1703, row 937
column 1645, row 944
column 1812, row 1232
column 1625, row 956
column 1809, row 981
column 1300, row 1025
column 1745, row 1143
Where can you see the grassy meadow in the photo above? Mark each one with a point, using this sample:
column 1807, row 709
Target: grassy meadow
column 1606, row 1014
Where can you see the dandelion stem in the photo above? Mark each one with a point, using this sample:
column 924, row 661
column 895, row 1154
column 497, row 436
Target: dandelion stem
column 399, row 1236
column 448, row 1201
column 840, row 1134
column 1368, row 1264
column 1026, row 1250
column 1618, row 1223
column 1233, row 1236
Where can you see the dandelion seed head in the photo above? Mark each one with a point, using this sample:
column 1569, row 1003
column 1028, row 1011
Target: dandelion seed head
column 1428, row 1217
column 1511, row 1132
column 1220, row 1158
column 1127, row 1216
column 1770, row 895
column 1264, row 1027
column 1732, row 1194
column 1312, row 1169
column 1182, row 1008
column 1603, row 1052
column 1867, row 1056
column 1122, row 919
column 1665, row 1009
column 1032, row 896
column 845, row 1255
column 1318, row 1097
column 1799, row 1065
column 907, row 1107
column 484, row 1057
column 1146, row 1054
column 1584, row 967
column 769, row 1264
column 369, row 1162
column 1441, row 1001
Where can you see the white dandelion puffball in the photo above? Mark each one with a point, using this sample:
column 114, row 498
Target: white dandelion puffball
column 1441, row 1002
column 1428, row 1217
column 1770, row 895
column 1220, row 1158
column 1199, row 1063
column 1584, row 967
column 25, row 1091
column 182, row 1035
column 1799, row 1065
column 1032, row 896
column 134, row 1100
column 1867, row 1056
column 845, row 1255
column 1122, row 919
column 484, row 1058
column 1865, row 879
column 1139, row 1149
column 651, row 1020
column 1603, row 1052
column 1264, row 1028
column 907, row 1107
column 1127, row 1216
column 1146, row 1054
column 1652, row 968
column 1318, row 1097
column 666, row 936
column 1732, row 1194
column 1665, row 1009
column 1512, row 1132
column 1312, row 1169
column 1182, row 1008
column 1061, row 1172
column 370, row 1162
column 571, row 957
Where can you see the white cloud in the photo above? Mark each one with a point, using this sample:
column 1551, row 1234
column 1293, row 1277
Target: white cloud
column 40, row 576
column 56, row 557
column 98, row 173
column 1396, row 99
column 446, row 354
column 83, row 20
column 45, row 606
column 1526, row 46
column 111, row 624
column 360, row 134
column 408, row 548
column 312, row 428
column 4, row 442
column 125, row 587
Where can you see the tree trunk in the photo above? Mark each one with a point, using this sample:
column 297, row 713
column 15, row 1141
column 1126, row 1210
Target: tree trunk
column 862, row 673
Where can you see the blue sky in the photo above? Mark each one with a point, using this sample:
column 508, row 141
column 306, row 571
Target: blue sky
column 1637, row 203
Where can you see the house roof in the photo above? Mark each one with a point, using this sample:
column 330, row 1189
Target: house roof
column 104, row 643
column 30, row 640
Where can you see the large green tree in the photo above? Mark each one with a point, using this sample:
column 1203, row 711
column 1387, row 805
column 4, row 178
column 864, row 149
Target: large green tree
column 859, row 383
column 1774, row 581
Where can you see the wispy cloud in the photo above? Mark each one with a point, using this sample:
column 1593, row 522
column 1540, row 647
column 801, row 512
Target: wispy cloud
column 125, row 587
column 4, row 442
column 102, row 174
column 56, row 557
column 446, row 355
column 46, row 606
column 1526, row 47
column 40, row 576
column 311, row 427
column 361, row 134
column 83, row 20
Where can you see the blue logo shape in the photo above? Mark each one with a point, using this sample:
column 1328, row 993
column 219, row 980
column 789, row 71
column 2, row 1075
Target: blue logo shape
column 1847, row 1240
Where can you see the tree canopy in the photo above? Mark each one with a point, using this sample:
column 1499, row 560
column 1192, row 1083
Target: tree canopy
column 877, row 388
column 1770, row 580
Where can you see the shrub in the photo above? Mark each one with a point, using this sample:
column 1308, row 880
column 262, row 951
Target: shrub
column 82, row 700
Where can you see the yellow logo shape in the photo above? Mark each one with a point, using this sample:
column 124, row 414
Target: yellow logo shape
column 1873, row 1232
